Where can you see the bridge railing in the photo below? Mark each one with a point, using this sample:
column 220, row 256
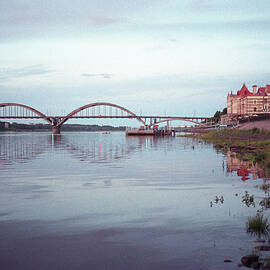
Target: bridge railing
column 92, row 110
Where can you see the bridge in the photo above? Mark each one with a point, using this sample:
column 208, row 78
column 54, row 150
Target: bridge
column 91, row 111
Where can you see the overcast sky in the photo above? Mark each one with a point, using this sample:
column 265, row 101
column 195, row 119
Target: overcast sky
column 179, row 57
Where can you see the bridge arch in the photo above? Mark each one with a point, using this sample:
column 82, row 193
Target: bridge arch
column 60, row 123
column 27, row 108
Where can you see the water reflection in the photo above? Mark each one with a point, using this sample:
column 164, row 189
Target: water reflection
column 101, row 148
column 94, row 147
column 21, row 148
column 245, row 169
column 157, row 201
column 106, row 148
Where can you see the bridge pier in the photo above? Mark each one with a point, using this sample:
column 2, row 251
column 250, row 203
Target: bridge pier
column 55, row 130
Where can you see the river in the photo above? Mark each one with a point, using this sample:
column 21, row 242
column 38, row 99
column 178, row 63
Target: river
column 110, row 202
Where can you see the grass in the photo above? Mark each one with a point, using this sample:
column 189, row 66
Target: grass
column 258, row 225
column 251, row 145
column 238, row 137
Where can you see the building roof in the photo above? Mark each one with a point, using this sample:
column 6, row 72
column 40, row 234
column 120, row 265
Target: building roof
column 244, row 92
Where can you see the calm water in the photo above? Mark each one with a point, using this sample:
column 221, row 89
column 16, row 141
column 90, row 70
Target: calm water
column 104, row 201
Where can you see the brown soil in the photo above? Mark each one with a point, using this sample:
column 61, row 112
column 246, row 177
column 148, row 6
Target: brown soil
column 242, row 136
column 263, row 124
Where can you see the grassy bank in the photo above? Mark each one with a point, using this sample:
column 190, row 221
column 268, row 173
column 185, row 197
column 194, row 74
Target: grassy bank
column 250, row 145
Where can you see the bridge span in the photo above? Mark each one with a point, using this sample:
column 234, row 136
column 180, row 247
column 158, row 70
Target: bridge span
column 91, row 111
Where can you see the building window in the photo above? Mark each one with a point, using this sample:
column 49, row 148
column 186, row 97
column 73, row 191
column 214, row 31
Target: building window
column 255, row 109
column 255, row 101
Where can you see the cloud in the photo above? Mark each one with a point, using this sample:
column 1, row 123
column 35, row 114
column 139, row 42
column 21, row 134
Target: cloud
column 102, row 20
column 22, row 19
column 100, row 75
column 200, row 5
column 178, row 94
column 7, row 74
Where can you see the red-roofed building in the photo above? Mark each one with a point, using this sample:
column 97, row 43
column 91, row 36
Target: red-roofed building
column 246, row 102
column 243, row 92
column 245, row 169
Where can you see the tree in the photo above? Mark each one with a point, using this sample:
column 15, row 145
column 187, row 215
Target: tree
column 217, row 114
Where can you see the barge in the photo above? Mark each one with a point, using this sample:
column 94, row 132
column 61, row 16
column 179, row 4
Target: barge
column 142, row 131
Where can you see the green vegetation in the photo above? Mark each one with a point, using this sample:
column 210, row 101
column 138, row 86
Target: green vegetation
column 250, row 145
column 258, row 225
column 218, row 114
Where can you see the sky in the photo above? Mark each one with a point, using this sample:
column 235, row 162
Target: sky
column 173, row 57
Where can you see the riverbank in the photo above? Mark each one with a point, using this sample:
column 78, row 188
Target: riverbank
column 250, row 145
column 262, row 124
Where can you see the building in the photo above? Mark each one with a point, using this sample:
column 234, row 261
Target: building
column 245, row 169
column 245, row 102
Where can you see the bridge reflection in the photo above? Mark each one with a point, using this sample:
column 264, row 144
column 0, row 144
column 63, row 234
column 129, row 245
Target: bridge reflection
column 97, row 148
column 21, row 148
column 103, row 148
column 94, row 151
column 245, row 169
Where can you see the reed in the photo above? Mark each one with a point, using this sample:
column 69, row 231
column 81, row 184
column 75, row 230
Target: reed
column 258, row 225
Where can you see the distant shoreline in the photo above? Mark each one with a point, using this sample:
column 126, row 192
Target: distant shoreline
column 49, row 130
column 16, row 127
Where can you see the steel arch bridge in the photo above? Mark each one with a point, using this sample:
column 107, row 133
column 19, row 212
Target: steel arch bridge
column 88, row 111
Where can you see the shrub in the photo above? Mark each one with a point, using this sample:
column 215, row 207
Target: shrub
column 258, row 225
column 255, row 130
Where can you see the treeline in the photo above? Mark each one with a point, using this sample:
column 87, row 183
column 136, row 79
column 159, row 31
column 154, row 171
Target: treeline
column 219, row 113
column 66, row 127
